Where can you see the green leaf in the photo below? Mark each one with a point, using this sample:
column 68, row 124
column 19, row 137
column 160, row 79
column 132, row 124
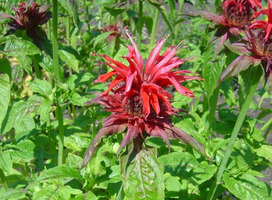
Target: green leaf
column 89, row 195
column 44, row 111
column 18, row 111
column 71, row 8
column 100, row 39
column 144, row 177
column 60, row 172
column 5, row 161
column 247, row 187
column 24, row 150
column 5, row 66
column 211, row 73
column 25, row 125
column 13, row 194
column 5, row 95
column 42, row 87
column 76, row 99
column 68, row 55
column 55, row 192
column 265, row 151
column 185, row 166
column 26, row 63
column 17, row 48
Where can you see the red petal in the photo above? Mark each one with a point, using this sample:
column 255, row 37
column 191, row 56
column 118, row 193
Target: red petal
column 105, row 77
column 129, row 81
column 117, row 80
column 151, row 61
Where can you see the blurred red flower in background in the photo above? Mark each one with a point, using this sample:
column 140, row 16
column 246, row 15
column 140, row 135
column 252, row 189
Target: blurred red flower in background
column 28, row 17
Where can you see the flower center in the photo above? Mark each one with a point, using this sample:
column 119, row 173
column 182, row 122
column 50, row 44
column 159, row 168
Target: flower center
column 134, row 106
column 238, row 15
column 260, row 46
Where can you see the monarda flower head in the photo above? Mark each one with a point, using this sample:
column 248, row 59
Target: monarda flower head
column 236, row 16
column 28, row 17
column 258, row 49
column 138, row 100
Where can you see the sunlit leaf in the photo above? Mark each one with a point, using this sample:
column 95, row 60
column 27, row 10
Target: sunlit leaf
column 247, row 187
column 5, row 95
column 144, row 177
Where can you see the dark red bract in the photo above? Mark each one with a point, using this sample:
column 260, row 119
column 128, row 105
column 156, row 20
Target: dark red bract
column 138, row 100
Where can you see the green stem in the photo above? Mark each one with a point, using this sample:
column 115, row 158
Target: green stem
column 154, row 28
column 267, row 124
column 140, row 25
column 267, row 131
column 59, row 116
column 58, row 76
column 177, row 25
column 49, row 35
column 36, row 67
column 4, row 179
column 256, row 75
column 57, row 71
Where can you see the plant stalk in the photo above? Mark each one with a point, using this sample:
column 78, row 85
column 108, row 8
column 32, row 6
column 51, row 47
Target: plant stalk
column 154, row 29
column 140, row 25
column 252, row 88
column 177, row 25
column 58, row 76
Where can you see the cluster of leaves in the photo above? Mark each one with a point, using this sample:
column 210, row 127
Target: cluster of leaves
column 31, row 96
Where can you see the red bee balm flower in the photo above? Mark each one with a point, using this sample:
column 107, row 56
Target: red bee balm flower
column 236, row 16
column 28, row 17
column 137, row 98
column 259, row 48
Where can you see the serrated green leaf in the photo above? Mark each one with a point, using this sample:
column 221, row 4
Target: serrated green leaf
column 25, row 125
column 5, row 161
column 211, row 73
column 247, row 187
column 185, row 166
column 24, row 150
column 44, row 111
column 144, row 177
column 76, row 99
column 55, row 192
column 17, row 48
column 26, row 63
column 265, row 151
column 13, row 194
column 68, row 56
column 100, row 39
column 5, row 96
column 89, row 196
column 42, row 87
column 16, row 114
column 60, row 172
